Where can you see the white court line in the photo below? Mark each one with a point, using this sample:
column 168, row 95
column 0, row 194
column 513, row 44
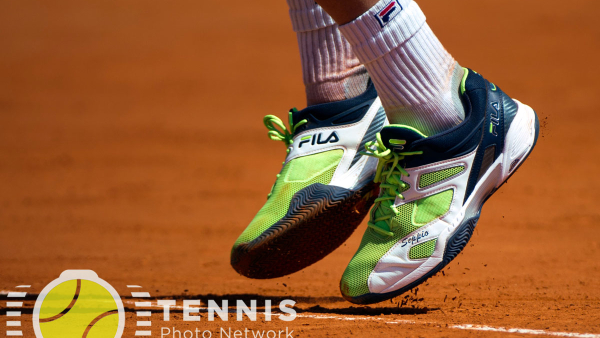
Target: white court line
column 14, row 304
column 470, row 327
column 134, row 286
column 14, row 333
column 13, row 323
column 144, row 323
column 140, row 295
column 465, row 326
column 144, row 314
column 17, row 294
column 23, row 286
column 524, row 331
column 141, row 304
column 13, row 313
column 143, row 333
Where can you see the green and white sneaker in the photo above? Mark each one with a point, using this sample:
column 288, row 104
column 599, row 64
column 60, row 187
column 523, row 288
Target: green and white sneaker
column 433, row 189
column 322, row 193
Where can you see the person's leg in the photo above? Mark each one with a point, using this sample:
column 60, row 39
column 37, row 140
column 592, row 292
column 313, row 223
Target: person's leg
column 417, row 79
column 330, row 70
column 436, row 164
column 345, row 11
column 325, row 187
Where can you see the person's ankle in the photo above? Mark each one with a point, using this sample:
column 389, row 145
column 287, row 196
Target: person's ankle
column 346, row 87
column 424, row 116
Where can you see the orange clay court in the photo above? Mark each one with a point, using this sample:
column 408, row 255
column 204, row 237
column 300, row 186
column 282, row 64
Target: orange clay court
column 132, row 144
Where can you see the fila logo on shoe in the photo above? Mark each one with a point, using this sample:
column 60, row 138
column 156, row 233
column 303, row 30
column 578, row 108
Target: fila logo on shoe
column 388, row 12
column 495, row 118
column 318, row 139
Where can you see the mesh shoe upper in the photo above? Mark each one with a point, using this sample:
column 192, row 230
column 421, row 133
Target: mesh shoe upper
column 433, row 188
column 410, row 217
column 322, row 140
column 295, row 175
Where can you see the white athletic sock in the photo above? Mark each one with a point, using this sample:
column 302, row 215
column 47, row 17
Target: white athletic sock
column 330, row 70
column 416, row 78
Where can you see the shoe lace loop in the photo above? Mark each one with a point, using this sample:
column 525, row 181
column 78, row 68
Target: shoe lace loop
column 282, row 133
column 389, row 173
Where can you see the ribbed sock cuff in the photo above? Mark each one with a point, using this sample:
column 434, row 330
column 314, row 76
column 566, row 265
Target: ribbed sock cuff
column 331, row 72
column 370, row 39
column 307, row 16
column 415, row 76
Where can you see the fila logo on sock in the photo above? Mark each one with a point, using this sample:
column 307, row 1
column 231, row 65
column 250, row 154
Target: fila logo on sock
column 316, row 138
column 388, row 13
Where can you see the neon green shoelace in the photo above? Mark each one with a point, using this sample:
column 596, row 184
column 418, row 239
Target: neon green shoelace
column 283, row 133
column 389, row 174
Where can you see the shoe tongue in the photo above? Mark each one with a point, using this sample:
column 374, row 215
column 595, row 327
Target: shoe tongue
column 400, row 137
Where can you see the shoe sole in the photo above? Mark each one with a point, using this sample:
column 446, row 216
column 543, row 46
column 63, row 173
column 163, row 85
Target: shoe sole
column 319, row 220
column 456, row 243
